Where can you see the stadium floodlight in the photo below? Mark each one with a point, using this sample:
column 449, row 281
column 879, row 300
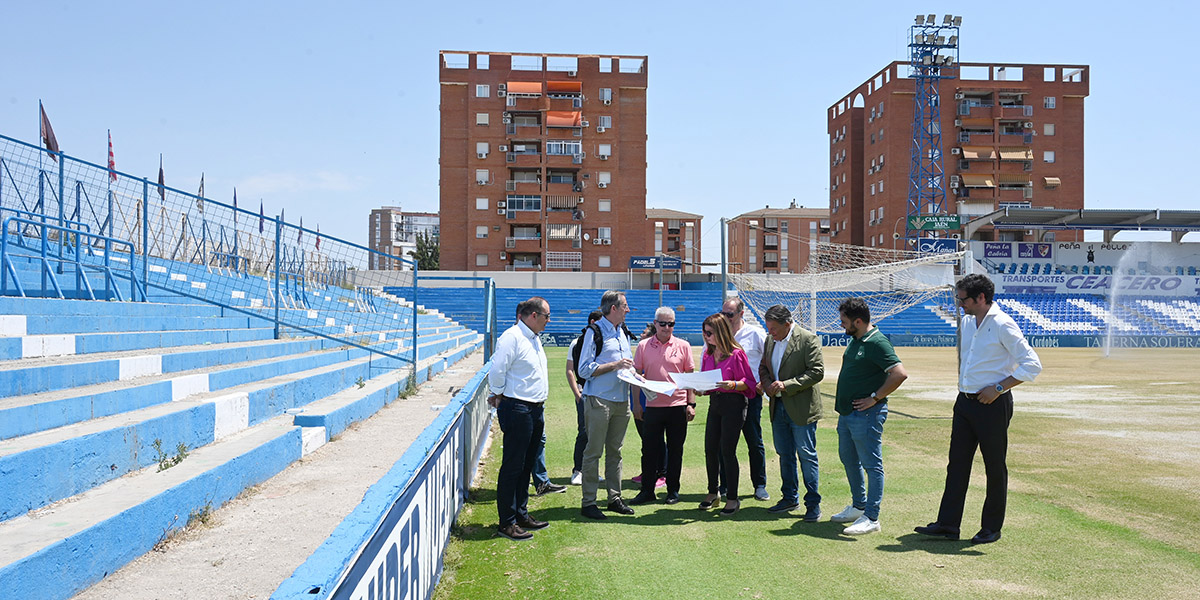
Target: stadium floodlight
column 920, row 20
column 948, row 19
column 953, row 41
column 958, row 21
column 931, row 19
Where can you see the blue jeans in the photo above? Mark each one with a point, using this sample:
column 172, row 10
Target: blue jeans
column 860, row 446
column 792, row 441
column 523, row 424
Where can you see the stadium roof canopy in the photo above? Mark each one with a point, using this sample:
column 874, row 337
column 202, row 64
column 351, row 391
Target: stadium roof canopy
column 1110, row 221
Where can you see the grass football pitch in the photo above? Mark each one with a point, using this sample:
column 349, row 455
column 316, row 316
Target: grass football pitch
column 1104, row 468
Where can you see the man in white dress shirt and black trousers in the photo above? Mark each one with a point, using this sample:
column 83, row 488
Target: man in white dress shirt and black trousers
column 994, row 358
column 519, row 385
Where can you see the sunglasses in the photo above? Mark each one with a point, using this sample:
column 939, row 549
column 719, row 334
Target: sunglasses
column 665, row 323
column 708, row 333
column 547, row 315
column 728, row 315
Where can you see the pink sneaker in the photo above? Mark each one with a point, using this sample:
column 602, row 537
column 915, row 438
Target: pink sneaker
column 661, row 483
column 637, row 478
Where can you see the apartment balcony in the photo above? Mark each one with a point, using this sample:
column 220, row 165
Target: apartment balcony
column 1015, row 111
column 561, row 186
column 564, row 160
column 528, row 243
column 974, row 109
column 525, row 103
column 523, row 185
column 564, row 260
column 523, row 159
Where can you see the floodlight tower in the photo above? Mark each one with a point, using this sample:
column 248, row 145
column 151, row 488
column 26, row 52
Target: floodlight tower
column 933, row 56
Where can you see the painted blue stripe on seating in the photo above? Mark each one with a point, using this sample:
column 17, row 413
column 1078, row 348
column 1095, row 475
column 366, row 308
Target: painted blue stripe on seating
column 31, row 380
column 23, row 420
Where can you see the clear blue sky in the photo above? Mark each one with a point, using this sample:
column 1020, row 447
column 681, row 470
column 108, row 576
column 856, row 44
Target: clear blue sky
column 331, row 109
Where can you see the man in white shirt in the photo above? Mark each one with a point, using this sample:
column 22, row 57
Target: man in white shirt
column 752, row 339
column 519, row 384
column 994, row 358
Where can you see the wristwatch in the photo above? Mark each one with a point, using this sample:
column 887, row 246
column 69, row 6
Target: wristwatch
column 999, row 388
column 692, row 404
column 874, row 397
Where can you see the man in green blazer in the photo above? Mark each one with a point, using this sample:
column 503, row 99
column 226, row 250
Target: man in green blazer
column 791, row 367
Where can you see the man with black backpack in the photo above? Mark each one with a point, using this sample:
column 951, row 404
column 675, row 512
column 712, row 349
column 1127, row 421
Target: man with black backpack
column 575, row 381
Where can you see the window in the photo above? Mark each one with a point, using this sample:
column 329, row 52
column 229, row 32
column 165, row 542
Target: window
column 872, row 189
column 1049, row 101
column 1048, row 156
column 481, row 231
column 483, row 61
column 604, row 262
column 880, row 113
column 481, row 148
column 753, row 241
column 881, row 239
column 872, row 138
column 604, row 177
column 880, row 187
column 605, row 121
column 606, row 65
column 604, row 205
column 483, row 176
column 872, row 215
column 606, row 94
column 561, row 147
column 604, row 149
column 881, row 133
column 481, row 204
column 483, row 91
column 604, row 233
column 481, row 260
column 771, row 222
column 481, row 118
column 753, row 259
column 1048, row 129
column 881, row 212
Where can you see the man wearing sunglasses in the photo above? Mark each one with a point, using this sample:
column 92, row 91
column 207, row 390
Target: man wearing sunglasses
column 994, row 358
column 519, row 383
column 752, row 339
column 664, row 414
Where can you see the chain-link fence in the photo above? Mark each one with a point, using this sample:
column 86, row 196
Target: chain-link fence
column 71, row 228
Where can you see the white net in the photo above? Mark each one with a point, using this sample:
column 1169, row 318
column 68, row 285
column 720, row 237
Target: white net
column 890, row 281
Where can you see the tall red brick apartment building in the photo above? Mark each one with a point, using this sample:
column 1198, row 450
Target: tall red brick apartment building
column 1012, row 135
column 543, row 161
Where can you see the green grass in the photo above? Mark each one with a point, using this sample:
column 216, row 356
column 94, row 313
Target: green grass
column 1094, row 511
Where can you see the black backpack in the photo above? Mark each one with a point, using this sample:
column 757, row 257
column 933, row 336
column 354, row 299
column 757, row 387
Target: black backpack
column 598, row 338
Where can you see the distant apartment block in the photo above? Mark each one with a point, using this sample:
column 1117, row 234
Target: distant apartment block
column 1012, row 136
column 542, row 161
column 676, row 233
column 775, row 240
column 392, row 231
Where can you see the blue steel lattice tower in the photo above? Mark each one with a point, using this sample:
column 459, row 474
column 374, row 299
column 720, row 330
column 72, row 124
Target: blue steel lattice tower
column 933, row 56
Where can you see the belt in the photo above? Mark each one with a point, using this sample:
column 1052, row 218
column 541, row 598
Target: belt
column 976, row 396
column 520, row 400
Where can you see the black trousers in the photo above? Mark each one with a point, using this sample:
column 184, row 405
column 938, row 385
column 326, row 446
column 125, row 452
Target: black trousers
column 522, row 423
column 982, row 426
column 726, row 415
column 580, row 435
column 670, row 421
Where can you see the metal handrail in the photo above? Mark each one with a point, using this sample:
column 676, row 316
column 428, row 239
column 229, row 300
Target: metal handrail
column 45, row 259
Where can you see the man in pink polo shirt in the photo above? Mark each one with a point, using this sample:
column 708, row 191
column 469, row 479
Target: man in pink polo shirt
column 656, row 356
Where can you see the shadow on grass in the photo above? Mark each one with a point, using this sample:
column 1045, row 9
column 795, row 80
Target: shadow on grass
column 913, row 542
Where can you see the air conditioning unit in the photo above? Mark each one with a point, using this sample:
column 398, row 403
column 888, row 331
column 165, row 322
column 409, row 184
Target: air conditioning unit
column 481, row 181
column 956, row 236
column 602, row 156
column 954, row 181
column 1028, row 124
column 956, row 150
column 602, row 185
column 502, row 87
column 506, row 119
column 958, row 122
column 503, row 256
column 584, row 123
column 501, row 204
column 570, row 73
column 596, row 241
column 601, row 129
column 959, row 95
column 501, row 93
column 607, row 241
column 481, row 154
column 607, row 101
column 503, row 148
column 500, row 211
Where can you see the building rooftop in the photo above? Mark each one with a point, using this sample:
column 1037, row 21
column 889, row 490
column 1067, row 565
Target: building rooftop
column 666, row 213
column 792, row 211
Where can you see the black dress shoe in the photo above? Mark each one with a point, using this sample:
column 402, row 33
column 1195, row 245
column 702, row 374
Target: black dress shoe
column 592, row 511
column 936, row 529
column 531, row 524
column 550, row 488
column 515, row 533
column 643, row 498
column 985, row 536
column 672, row 498
column 618, row 506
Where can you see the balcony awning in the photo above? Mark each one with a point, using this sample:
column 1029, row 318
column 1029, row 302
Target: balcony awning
column 1014, row 178
column 1052, row 181
column 977, row 123
column 978, row 180
column 1017, row 153
column 525, row 88
column 564, row 87
column 978, row 152
column 564, row 118
column 561, row 202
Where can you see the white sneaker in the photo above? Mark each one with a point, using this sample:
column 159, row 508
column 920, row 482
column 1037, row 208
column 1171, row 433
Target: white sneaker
column 848, row 515
column 760, row 492
column 862, row 526
column 576, row 478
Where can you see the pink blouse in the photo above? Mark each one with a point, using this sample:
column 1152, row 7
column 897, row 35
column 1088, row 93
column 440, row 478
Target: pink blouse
column 735, row 367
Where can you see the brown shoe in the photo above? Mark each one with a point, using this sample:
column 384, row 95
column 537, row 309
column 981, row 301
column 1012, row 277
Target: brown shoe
column 515, row 533
column 528, row 523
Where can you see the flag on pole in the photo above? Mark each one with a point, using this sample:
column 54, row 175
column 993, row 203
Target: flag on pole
column 47, row 132
column 261, row 216
column 112, row 161
column 235, row 207
column 318, row 237
column 200, row 195
column 300, row 235
column 162, row 183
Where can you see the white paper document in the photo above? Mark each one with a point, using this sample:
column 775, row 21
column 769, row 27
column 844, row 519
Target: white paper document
column 658, row 387
column 701, row 382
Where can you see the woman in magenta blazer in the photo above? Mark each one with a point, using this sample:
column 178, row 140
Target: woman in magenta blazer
column 726, row 409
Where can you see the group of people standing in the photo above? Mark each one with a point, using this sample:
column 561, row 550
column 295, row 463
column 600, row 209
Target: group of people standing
column 785, row 364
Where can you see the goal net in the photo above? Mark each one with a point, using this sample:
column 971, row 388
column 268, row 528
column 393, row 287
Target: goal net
column 890, row 281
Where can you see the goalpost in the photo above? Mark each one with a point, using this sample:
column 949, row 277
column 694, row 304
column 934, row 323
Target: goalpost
column 888, row 280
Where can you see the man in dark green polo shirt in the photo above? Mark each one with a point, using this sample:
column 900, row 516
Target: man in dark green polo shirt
column 870, row 371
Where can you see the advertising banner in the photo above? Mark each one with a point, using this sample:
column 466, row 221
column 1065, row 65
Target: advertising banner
column 651, row 262
column 933, row 222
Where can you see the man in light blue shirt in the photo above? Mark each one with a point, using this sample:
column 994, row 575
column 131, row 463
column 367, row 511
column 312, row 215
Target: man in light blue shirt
column 606, row 404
